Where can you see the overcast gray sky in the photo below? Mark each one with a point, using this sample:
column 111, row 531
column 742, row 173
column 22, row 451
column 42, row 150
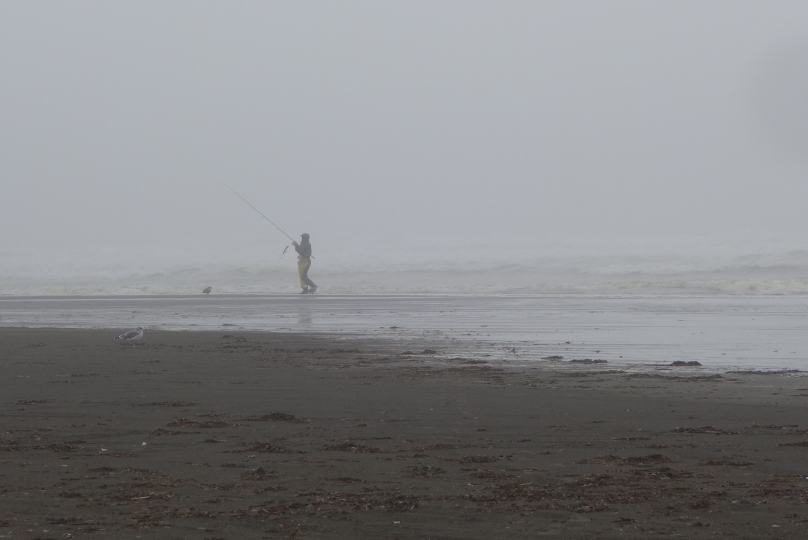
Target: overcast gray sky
column 404, row 119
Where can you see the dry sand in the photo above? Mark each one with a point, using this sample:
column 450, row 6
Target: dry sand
column 286, row 436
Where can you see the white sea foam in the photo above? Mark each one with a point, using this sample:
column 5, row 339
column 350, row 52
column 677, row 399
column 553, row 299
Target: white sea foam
column 471, row 266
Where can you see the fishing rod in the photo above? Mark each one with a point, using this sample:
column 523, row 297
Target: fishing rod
column 262, row 215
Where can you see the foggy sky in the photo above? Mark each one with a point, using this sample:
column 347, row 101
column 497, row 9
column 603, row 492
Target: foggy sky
column 407, row 120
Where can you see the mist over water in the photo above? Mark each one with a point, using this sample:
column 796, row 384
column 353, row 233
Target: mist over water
column 471, row 147
column 611, row 265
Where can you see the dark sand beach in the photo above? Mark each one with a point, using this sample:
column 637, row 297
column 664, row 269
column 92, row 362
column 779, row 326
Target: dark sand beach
column 211, row 435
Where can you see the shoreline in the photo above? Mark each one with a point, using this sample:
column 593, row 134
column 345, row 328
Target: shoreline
column 273, row 435
column 452, row 350
column 722, row 333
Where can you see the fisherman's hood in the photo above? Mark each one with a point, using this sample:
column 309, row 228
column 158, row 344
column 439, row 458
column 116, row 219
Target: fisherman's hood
column 305, row 237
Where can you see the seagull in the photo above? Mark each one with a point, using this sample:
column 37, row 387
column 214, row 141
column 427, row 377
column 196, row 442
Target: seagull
column 131, row 335
column 206, row 290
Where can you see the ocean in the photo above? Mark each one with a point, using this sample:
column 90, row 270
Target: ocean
column 628, row 265
column 636, row 302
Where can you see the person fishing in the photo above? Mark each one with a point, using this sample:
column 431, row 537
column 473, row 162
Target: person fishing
column 304, row 263
column 303, row 249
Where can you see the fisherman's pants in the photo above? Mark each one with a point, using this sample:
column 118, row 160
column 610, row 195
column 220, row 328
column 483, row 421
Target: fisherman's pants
column 303, row 266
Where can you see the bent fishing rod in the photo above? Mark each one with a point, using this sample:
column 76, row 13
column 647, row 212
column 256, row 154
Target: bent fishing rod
column 262, row 215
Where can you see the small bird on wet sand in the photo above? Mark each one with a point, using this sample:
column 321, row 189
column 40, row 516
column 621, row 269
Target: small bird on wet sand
column 207, row 290
column 131, row 335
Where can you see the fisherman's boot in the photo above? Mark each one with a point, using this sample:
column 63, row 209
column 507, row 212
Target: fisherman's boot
column 305, row 291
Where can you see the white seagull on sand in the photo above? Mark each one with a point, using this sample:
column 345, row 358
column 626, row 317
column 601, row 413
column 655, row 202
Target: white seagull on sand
column 131, row 335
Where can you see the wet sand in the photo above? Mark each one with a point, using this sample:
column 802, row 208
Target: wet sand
column 263, row 435
column 722, row 332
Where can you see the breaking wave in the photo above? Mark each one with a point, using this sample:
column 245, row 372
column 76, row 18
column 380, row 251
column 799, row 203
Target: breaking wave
column 653, row 267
